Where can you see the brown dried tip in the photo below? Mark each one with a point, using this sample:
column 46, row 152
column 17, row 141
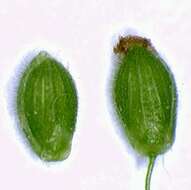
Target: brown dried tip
column 126, row 42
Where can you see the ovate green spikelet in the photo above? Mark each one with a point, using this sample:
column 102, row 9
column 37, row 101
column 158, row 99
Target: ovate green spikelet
column 47, row 107
column 145, row 98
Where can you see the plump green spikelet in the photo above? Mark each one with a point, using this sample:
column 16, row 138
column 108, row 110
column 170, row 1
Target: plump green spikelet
column 144, row 95
column 47, row 107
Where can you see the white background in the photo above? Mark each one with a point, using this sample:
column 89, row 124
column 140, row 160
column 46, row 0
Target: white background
column 82, row 34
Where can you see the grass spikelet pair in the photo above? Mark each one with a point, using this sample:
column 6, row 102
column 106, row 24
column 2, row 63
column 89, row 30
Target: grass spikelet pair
column 144, row 96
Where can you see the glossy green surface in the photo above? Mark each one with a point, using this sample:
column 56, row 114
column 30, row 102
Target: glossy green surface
column 144, row 95
column 47, row 107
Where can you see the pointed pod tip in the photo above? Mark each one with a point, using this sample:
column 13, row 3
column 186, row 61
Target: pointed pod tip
column 126, row 42
column 49, row 156
column 43, row 53
column 41, row 57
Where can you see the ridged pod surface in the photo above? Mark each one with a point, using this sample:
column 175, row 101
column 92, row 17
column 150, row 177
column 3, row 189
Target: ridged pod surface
column 144, row 94
column 47, row 107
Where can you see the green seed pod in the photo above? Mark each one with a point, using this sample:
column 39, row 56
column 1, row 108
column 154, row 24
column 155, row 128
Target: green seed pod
column 144, row 95
column 47, row 107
